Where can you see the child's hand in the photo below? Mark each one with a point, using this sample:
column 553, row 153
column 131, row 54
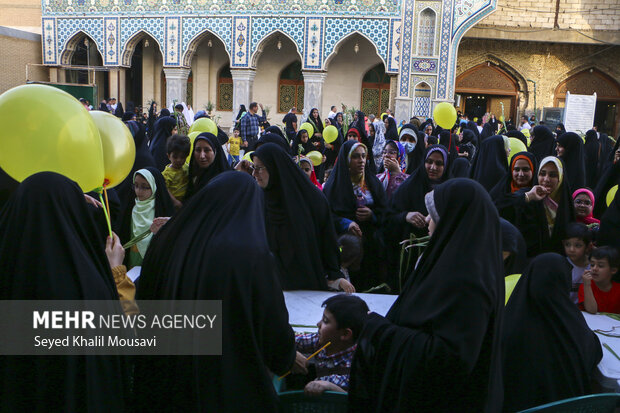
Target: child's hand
column 300, row 365
column 587, row 277
column 317, row 387
column 354, row 229
column 114, row 251
column 158, row 223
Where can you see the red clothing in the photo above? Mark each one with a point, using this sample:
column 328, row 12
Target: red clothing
column 607, row 302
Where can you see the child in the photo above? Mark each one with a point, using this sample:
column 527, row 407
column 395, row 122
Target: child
column 306, row 166
column 301, row 144
column 151, row 201
column 577, row 246
column 342, row 322
column 176, row 174
column 599, row 293
column 233, row 147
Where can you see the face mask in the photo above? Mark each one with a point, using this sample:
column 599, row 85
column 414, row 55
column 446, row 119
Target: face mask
column 409, row 146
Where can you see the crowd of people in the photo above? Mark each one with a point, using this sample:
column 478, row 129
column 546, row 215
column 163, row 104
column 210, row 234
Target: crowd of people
column 437, row 216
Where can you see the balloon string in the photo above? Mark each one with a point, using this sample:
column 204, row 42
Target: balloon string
column 107, row 217
column 105, row 194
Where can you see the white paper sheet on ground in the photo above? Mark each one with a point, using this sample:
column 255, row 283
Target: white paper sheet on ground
column 304, row 307
column 134, row 273
column 609, row 367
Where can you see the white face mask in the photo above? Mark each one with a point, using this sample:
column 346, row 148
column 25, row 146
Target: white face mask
column 409, row 146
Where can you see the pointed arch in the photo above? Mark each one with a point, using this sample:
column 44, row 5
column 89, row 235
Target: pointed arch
column 427, row 23
column 129, row 47
column 195, row 42
column 586, row 81
column 70, row 46
column 255, row 54
column 489, row 88
column 422, row 92
column 291, row 88
column 375, row 97
column 343, row 40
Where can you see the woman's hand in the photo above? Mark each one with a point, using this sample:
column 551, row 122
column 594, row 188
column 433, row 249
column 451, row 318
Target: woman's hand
column 392, row 165
column 416, row 219
column 346, row 286
column 114, row 250
column 363, row 214
column 244, row 166
column 90, row 200
column 537, row 193
column 354, row 229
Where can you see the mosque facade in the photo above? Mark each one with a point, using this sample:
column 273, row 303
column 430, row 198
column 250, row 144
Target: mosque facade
column 507, row 57
column 408, row 49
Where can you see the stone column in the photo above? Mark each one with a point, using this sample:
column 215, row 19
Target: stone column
column 122, row 83
column 148, row 77
column 313, row 91
column 243, row 82
column 393, row 91
column 54, row 74
column 403, row 109
column 113, row 84
column 176, row 85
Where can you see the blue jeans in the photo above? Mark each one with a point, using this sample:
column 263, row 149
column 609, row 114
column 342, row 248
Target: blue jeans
column 233, row 159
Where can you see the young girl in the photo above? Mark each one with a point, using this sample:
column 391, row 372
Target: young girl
column 306, row 166
column 302, row 144
column 152, row 200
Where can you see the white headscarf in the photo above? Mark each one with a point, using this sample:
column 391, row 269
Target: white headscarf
column 377, row 148
column 143, row 213
column 188, row 114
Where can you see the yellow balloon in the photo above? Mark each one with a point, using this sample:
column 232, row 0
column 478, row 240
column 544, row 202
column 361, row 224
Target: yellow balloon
column 444, row 115
column 330, row 134
column 119, row 149
column 308, row 127
column 511, row 282
column 516, row 146
column 316, row 157
column 248, row 156
column 204, row 125
column 611, row 194
column 192, row 138
column 47, row 129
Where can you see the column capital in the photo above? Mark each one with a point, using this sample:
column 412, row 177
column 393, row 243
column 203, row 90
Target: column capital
column 243, row 74
column 314, row 76
column 181, row 73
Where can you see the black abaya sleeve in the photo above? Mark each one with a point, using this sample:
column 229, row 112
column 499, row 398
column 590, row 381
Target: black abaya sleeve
column 271, row 324
column 410, row 369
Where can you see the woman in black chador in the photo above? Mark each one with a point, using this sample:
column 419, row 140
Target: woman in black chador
column 438, row 348
column 195, row 256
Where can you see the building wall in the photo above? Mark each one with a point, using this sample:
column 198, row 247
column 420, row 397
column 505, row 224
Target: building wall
column 268, row 68
column 17, row 49
column 23, row 15
column 574, row 14
column 345, row 73
column 548, row 64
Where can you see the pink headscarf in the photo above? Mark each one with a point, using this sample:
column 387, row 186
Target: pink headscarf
column 589, row 219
